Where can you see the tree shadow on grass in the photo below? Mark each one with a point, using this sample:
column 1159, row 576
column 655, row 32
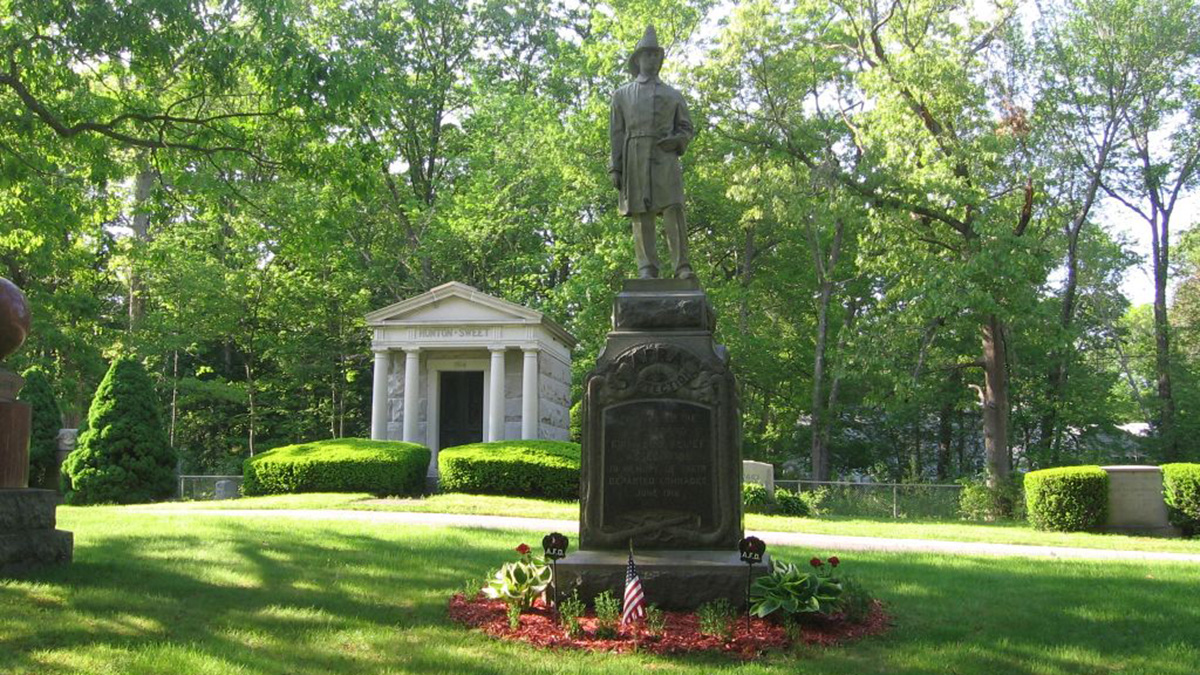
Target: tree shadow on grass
column 287, row 597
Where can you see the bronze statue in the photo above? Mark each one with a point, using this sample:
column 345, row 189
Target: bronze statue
column 649, row 128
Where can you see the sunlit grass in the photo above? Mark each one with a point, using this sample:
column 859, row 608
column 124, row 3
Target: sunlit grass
column 175, row 594
column 996, row 533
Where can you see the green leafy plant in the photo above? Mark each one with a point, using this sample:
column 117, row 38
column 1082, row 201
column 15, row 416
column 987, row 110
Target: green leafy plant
column 338, row 465
column 794, row 591
column 716, row 618
column 754, row 496
column 569, row 612
column 124, row 456
column 519, row 468
column 519, row 583
column 855, row 601
column 608, row 611
column 514, row 616
column 815, row 500
column 789, row 503
column 47, row 420
column 1067, row 499
column 980, row 501
column 1181, row 491
column 656, row 620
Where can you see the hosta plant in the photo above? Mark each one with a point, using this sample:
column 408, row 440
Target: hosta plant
column 794, row 591
column 519, row 583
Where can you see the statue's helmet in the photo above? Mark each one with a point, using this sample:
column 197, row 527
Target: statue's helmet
column 649, row 42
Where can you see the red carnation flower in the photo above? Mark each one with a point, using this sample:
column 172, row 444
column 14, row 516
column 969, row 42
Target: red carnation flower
column 815, row 562
column 833, row 560
column 523, row 549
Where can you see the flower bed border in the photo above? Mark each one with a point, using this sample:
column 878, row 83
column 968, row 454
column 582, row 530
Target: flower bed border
column 681, row 634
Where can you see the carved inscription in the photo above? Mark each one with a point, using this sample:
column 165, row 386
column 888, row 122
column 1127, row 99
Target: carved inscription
column 452, row 332
column 659, row 465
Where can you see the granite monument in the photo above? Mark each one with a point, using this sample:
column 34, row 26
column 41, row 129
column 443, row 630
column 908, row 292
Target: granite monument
column 28, row 538
column 661, row 465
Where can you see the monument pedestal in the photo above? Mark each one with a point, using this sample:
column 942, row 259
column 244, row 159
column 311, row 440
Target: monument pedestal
column 662, row 465
column 676, row 580
column 28, row 538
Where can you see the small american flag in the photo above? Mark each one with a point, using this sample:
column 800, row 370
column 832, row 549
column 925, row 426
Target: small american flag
column 635, row 601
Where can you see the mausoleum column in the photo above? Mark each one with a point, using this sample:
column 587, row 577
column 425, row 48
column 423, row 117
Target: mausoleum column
column 379, row 396
column 412, row 392
column 495, row 426
column 529, row 394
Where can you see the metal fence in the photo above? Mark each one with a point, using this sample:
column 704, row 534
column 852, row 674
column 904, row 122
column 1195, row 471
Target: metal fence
column 199, row 488
column 881, row 500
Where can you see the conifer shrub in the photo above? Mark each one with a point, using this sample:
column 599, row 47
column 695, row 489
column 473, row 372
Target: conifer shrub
column 518, row 468
column 1181, row 491
column 123, row 457
column 1067, row 499
column 47, row 420
column 338, row 465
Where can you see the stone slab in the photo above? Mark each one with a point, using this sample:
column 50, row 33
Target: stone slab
column 26, row 551
column 27, row 509
column 681, row 580
column 1135, row 501
column 762, row 473
column 662, row 304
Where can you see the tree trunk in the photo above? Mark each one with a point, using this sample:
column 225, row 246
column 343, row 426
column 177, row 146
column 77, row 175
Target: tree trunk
column 140, row 224
column 1162, row 346
column 825, row 268
column 994, row 400
column 945, row 439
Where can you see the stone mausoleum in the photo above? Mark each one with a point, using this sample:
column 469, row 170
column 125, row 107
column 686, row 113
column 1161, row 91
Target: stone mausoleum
column 455, row 366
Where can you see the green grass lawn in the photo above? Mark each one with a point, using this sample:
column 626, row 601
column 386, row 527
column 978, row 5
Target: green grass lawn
column 996, row 533
column 172, row 594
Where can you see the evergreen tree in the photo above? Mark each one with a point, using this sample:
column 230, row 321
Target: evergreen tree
column 47, row 420
column 124, row 456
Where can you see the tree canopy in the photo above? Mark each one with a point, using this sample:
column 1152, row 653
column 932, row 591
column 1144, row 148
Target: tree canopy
column 897, row 208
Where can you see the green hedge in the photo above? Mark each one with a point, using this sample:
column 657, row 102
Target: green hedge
column 1067, row 499
column 338, row 465
column 519, row 468
column 1181, row 490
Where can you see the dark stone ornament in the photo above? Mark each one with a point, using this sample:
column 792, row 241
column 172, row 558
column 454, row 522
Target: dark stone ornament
column 14, row 318
column 554, row 545
column 662, row 436
column 752, row 550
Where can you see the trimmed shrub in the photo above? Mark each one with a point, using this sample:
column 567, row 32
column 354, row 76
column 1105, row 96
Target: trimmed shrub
column 789, row 503
column 1067, row 499
column 1181, row 490
column 47, row 420
column 518, row 468
column 576, row 422
column 124, row 456
column 338, row 465
column 754, row 497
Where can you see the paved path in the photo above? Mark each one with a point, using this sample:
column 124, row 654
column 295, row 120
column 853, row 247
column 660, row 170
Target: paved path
column 822, row 542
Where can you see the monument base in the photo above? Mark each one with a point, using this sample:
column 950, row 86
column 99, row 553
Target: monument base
column 676, row 580
column 28, row 539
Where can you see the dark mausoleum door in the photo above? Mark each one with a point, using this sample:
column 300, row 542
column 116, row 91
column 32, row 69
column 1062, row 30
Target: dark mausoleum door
column 461, row 408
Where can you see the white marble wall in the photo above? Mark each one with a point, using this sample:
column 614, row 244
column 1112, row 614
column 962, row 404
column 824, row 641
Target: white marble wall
column 554, row 388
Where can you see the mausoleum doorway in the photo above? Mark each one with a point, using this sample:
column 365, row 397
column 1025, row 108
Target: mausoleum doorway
column 461, row 406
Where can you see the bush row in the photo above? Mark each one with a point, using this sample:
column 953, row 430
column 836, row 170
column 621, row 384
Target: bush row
column 520, row 468
column 338, row 465
column 1067, row 499
column 1181, row 490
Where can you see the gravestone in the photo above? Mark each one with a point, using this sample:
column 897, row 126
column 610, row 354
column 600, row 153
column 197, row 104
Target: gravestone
column 28, row 538
column 225, row 489
column 762, row 473
column 661, row 464
column 1135, row 501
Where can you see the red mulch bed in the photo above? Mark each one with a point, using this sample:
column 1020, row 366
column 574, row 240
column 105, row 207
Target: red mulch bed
column 681, row 634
